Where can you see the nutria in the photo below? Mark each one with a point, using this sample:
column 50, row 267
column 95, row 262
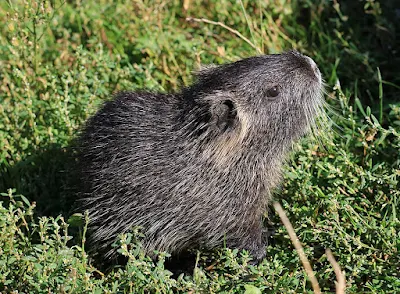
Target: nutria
column 196, row 168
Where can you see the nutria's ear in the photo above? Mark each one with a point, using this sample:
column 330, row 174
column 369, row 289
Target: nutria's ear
column 223, row 114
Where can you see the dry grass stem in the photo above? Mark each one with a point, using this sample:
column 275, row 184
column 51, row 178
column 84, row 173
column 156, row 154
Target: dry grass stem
column 218, row 23
column 341, row 281
column 299, row 248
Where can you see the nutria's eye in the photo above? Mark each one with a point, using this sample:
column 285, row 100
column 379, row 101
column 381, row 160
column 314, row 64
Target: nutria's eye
column 273, row 91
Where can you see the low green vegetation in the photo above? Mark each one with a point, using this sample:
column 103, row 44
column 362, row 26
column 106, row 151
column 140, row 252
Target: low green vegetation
column 60, row 59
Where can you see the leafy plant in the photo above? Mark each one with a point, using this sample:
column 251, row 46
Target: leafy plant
column 61, row 59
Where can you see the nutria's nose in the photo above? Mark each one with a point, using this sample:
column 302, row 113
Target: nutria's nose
column 314, row 68
column 306, row 61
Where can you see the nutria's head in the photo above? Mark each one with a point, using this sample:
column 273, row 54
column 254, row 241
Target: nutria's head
column 269, row 98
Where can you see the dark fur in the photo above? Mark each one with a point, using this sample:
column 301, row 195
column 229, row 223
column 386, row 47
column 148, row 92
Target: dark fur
column 196, row 168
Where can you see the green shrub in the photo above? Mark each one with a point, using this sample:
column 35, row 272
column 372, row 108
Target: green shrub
column 60, row 59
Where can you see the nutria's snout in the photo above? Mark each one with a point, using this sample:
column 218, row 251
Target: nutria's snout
column 307, row 62
column 314, row 68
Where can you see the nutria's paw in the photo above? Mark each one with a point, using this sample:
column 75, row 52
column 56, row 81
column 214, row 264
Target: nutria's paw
column 258, row 255
column 268, row 234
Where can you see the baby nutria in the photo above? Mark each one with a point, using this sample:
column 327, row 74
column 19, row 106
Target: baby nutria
column 195, row 169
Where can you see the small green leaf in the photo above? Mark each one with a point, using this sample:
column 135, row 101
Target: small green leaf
column 250, row 289
column 76, row 220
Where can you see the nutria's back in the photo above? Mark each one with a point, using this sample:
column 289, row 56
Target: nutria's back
column 196, row 168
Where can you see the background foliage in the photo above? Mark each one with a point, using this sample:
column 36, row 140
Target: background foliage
column 60, row 59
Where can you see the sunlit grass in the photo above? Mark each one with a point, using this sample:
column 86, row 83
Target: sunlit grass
column 60, row 60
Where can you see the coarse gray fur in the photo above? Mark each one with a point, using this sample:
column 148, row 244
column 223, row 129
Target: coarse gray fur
column 195, row 169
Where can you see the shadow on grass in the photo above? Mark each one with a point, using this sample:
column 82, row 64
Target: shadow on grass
column 352, row 41
column 46, row 178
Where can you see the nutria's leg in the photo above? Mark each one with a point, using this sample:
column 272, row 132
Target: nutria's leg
column 254, row 242
column 257, row 251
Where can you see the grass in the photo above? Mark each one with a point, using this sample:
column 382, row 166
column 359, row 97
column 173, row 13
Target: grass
column 60, row 59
